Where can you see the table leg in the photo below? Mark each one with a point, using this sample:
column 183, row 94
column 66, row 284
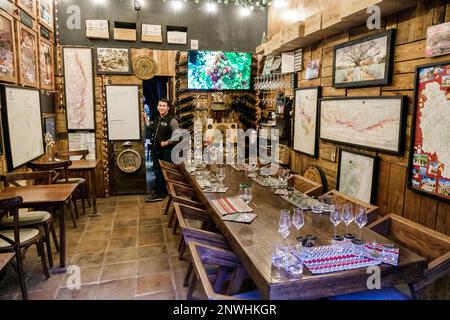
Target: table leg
column 62, row 240
column 93, row 189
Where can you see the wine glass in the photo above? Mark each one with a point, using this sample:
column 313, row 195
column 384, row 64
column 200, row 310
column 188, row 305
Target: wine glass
column 283, row 176
column 347, row 215
column 220, row 174
column 245, row 193
column 361, row 219
column 298, row 219
column 284, row 226
column 335, row 218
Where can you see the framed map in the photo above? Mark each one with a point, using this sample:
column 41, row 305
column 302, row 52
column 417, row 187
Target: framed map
column 357, row 175
column 429, row 163
column 28, row 56
column 8, row 68
column 46, row 65
column 79, row 88
column 22, row 125
column 46, row 13
column 113, row 61
column 306, row 115
column 376, row 123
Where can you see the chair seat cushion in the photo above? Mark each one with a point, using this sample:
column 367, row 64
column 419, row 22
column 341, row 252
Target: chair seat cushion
column 249, row 295
column 27, row 219
column 24, row 235
column 71, row 180
column 389, row 293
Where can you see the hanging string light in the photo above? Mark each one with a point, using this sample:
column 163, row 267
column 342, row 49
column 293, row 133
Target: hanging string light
column 251, row 4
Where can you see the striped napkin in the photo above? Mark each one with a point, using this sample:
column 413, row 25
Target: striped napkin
column 240, row 217
column 231, row 205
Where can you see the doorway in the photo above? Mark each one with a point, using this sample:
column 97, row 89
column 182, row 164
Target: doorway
column 153, row 89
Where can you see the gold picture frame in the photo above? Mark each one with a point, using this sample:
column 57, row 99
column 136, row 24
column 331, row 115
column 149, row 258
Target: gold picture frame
column 46, row 65
column 27, row 49
column 29, row 6
column 8, row 52
column 46, row 14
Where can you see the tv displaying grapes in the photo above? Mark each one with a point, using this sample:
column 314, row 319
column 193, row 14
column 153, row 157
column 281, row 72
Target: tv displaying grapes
column 218, row 70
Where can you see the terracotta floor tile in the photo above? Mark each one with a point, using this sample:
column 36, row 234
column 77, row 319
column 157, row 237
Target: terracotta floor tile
column 121, row 255
column 92, row 246
column 44, row 294
column 150, row 229
column 89, row 275
column 170, row 295
column 88, row 259
column 118, row 271
column 125, row 223
column 125, row 232
column 86, row 292
column 94, row 236
column 155, row 251
column 154, row 283
column 151, row 266
column 144, row 221
column 151, row 239
column 121, row 243
column 124, row 289
column 127, row 215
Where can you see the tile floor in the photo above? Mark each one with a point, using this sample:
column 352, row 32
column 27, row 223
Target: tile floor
column 128, row 252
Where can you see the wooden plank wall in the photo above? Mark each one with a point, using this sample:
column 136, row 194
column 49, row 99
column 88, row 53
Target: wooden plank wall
column 392, row 192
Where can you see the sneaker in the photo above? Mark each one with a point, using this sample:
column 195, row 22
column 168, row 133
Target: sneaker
column 153, row 198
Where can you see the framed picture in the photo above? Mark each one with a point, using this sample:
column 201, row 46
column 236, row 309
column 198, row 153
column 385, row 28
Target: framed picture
column 22, row 125
column 376, row 123
column 28, row 56
column 357, row 175
column 113, row 61
column 364, row 62
column 176, row 34
column 46, row 16
column 438, row 43
column 83, row 141
column 429, row 163
column 151, row 33
column 8, row 68
column 312, row 70
column 97, row 29
column 298, row 60
column 79, row 88
column 46, row 65
column 29, row 6
column 306, row 115
column 50, row 125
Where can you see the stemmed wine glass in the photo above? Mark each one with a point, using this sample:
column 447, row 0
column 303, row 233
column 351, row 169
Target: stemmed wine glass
column 220, row 174
column 284, row 226
column 283, row 176
column 361, row 219
column 347, row 215
column 335, row 218
column 245, row 193
column 298, row 219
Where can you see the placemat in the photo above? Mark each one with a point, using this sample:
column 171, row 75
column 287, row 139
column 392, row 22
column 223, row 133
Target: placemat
column 240, row 217
column 231, row 205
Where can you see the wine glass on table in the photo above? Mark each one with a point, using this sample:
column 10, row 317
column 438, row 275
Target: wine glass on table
column 347, row 215
column 298, row 220
column 284, row 226
column 361, row 219
column 245, row 193
column 335, row 218
column 220, row 174
column 283, row 177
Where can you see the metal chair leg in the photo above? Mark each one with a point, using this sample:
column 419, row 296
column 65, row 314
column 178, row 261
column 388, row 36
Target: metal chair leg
column 48, row 244
column 21, row 274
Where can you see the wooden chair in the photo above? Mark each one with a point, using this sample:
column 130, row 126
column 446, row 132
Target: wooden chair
column 169, row 166
column 203, row 255
column 62, row 176
column 173, row 177
column 66, row 155
column 430, row 244
column 39, row 217
column 18, row 240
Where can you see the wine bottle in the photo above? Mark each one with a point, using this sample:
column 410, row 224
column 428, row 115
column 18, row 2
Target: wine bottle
column 185, row 108
column 184, row 100
column 181, row 72
column 181, row 63
column 180, row 91
column 186, row 116
column 186, row 124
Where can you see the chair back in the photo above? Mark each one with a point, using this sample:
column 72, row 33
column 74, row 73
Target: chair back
column 60, row 167
column 39, row 177
column 174, row 177
column 168, row 165
column 183, row 194
column 72, row 153
column 10, row 207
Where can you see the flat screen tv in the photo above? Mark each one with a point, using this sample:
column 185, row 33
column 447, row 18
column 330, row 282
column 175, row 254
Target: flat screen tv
column 218, row 70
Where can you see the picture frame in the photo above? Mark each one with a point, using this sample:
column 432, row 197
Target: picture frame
column 46, row 14
column 357, row 175
column 8, row 51
column 83, row 140
column 78, row 73
column 312, row 69
column 113, row 60
column 176, row 34
column 21, row 109
column 375, row 123
column 28, row 6
column 428, row 170
column 151, row 33
column 97, row 29
column 50, row 125
column 306, row 119
column 46, row 65
column 368, row 59
column 27, row 56
column 437, row 40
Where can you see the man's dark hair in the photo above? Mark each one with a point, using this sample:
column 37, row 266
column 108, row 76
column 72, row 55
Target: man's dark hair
column 166, row 101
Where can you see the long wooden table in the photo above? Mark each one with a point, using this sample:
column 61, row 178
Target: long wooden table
column 253, row 244
column 89, row 167
column 49, row 195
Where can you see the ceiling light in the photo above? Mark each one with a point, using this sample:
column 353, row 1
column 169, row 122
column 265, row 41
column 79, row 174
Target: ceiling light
column 244, row 11
column 211, row 7
column 177, row 5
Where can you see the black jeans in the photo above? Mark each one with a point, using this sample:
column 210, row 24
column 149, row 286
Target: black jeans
column 160, row 183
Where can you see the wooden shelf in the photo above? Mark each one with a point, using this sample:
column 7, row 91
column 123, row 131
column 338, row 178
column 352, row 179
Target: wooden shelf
column 327, row 23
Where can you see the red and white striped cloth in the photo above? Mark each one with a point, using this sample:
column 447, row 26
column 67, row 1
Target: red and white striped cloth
column 231, row 205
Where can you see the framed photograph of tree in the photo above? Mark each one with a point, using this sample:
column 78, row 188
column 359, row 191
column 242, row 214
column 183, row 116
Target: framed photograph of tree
column 364, row 62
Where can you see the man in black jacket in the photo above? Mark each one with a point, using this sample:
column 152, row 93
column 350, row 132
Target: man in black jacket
column 162, row 128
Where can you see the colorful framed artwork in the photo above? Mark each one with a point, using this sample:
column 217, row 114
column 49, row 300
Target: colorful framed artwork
column 21, row 109
column 312, row 70
column 29, row 6
column 306, row 115
column 8, row 68
column 377, row 123
column 46, row 65
column 28, row 56
column 364, row 62
column 46, row 16
column 113, row 61
column 429, row 163
column 357, row 175
column 79, row 88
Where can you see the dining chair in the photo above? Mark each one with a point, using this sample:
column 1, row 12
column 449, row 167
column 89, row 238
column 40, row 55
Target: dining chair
column 17, row 240
column 169, row 166
column 62, row 176
column 40, row 216
column 173, row 177
column 428, row 243
column 66, row 155
column 205, row 255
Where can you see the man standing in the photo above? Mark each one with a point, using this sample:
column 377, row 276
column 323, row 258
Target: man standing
column 162, row 128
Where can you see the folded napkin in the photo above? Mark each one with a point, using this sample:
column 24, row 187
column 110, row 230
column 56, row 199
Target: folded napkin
column 215, row 190
column 240, row 217
column 231, row 205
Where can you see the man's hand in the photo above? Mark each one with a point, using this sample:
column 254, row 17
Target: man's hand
column 164, row 144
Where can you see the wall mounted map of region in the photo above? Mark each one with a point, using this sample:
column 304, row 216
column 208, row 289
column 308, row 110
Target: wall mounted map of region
column 430, row 151
column 79, row 88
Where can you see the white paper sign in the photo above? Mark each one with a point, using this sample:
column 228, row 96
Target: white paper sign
column 287, row 62
column 151, row 30
column 194, row 44
column 176, row 37
column 123, row 112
